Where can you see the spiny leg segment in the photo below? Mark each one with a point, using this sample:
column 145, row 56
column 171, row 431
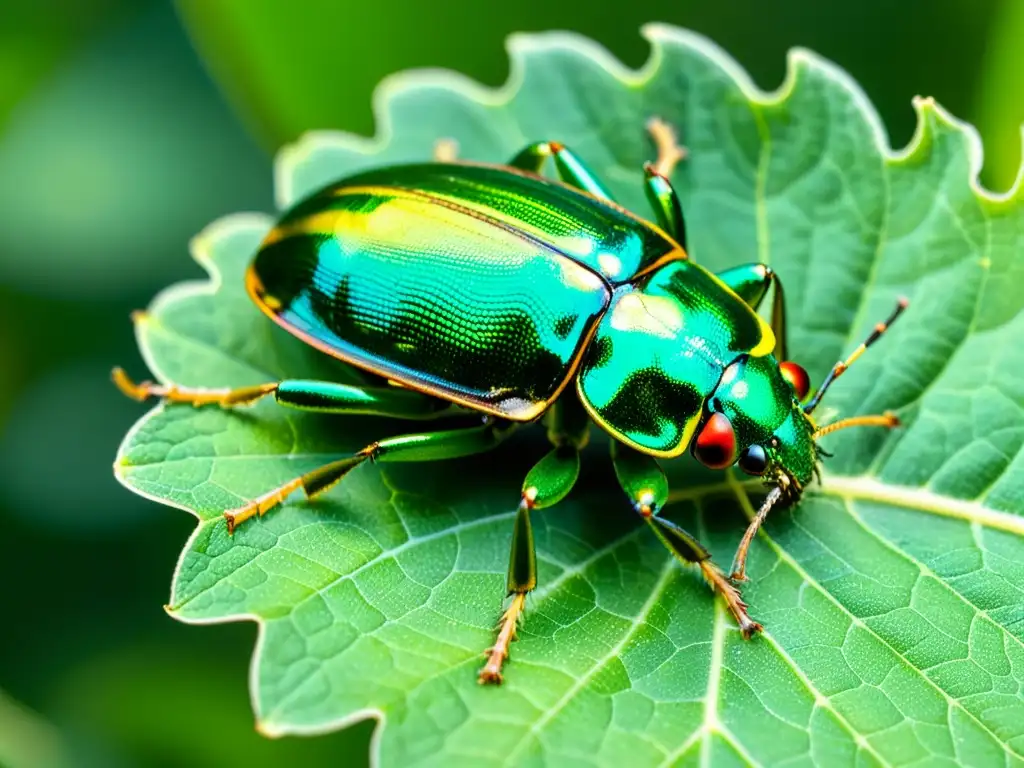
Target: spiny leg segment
column 329, row 397
column 546, row 484
column 739, row 561
column 670, row 151
column 645, row 485
column 306, row 395
column 429, row 446
column 197, row 396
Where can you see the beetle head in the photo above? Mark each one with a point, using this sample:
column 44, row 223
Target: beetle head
column 753, row 419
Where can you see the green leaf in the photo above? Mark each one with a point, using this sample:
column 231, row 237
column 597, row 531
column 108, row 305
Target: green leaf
column 892, row 596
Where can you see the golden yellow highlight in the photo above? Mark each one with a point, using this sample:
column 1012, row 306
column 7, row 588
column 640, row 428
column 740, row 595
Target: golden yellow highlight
column 767, row 343
column 328, row 222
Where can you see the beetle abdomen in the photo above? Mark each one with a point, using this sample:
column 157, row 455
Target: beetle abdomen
column 431, row 295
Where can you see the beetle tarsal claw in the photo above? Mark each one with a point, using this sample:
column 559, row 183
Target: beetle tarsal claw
column 491, row 672
column 670, row 152
column 128, row 387
column 446, row 150
column 732, row 596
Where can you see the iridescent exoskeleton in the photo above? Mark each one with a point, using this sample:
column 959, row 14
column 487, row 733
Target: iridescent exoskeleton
column 492, row 289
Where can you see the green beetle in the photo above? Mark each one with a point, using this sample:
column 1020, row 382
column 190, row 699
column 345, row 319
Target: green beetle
column 471, row 288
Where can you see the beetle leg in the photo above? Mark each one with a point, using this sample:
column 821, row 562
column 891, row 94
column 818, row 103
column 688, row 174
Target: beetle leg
column 322, row 396
column 670, row 151
column 570, row 168
column 645, row 484
column 546, row 484
column 196, row 396
column 661, row 195
column 688, row 550
column 665, row 202
column 750, row 282
column 392, row 401
column 446, row 150
column 739, row 562
column 657, row 180
column 448, row 444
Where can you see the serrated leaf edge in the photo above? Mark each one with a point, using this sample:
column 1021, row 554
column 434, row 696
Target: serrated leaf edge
column 520, row 45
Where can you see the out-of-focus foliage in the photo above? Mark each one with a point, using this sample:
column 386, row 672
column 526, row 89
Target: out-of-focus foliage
column 36, row 37
column 102, row 205
column 295, row 71
column 1000, row 105
column 26, row 739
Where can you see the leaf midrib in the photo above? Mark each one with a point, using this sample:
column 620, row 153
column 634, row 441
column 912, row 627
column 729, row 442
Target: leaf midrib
column 783, row 555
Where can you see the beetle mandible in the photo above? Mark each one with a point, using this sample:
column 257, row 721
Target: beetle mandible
column 493, row 289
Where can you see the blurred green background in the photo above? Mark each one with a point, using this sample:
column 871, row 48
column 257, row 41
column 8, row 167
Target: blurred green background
column 125, row 127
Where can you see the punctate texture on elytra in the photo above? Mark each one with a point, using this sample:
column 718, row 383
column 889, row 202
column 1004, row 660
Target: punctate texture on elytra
column 892, row 596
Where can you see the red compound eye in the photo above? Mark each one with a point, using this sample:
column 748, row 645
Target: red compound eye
column 797, row 378
column 715, row 446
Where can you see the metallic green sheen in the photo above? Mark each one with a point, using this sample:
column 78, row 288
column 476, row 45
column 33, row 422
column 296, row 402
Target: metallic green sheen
column 755, row 397
column 430, row 294
column 641, row 477
column 660, row 351
column 329, row 397
column 794, row 449
column 749, row 282
column 488, row 286
column 552, row 477
column 597, row 233
column 763, row 411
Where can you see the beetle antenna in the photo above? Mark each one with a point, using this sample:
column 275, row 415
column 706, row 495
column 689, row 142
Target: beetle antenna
column 881, row 420
column 840, row 368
